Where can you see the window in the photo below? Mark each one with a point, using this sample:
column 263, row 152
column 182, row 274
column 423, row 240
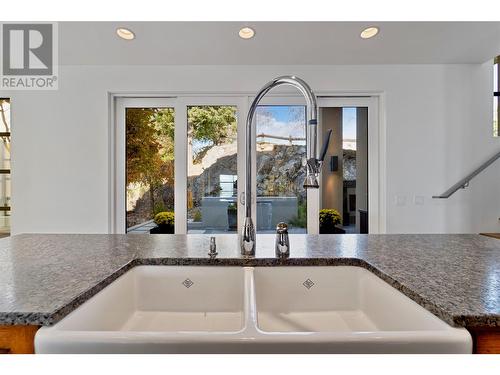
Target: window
column 281, row 152
column 496, row 97
column 208, row 170
column 5, row 128
column 149, row 166
column 211, row 169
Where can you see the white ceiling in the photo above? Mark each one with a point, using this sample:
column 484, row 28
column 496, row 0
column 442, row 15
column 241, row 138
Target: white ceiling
column 280, row 43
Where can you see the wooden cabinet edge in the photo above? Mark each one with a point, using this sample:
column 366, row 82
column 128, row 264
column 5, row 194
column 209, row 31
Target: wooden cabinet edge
column 486, row 340
column 17, row 339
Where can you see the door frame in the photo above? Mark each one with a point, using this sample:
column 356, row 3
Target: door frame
column 375, row 101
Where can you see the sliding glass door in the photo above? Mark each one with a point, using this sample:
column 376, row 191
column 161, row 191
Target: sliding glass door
column 212, row 168
column 185, row 156
column 280, row 155
column 179, row 156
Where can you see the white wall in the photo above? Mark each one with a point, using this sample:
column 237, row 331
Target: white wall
column 438, row 121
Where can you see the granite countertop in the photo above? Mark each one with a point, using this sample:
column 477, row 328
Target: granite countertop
column 43, row 277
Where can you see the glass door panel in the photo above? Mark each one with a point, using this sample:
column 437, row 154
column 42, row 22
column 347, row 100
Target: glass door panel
column 280, row 172
column 344, row 178
column 212, row 169
column 149, row 172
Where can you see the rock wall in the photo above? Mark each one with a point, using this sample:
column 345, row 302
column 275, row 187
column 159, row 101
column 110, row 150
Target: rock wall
column 279, row 172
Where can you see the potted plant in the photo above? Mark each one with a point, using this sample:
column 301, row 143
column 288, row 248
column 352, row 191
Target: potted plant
column 232, row 216
column 328, row 219
column 164, row 223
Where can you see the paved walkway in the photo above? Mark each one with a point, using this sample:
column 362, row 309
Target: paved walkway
column 142, row 228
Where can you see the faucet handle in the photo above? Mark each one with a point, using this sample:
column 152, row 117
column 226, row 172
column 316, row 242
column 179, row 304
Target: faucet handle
column 282, row 245
column 324, row 149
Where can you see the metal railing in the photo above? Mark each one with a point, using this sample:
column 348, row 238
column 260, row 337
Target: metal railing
column 290, row 139
column 463, row 183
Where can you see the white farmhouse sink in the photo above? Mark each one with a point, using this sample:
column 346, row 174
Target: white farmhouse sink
column 184, row 309
column 346, row 310
column 154, row 309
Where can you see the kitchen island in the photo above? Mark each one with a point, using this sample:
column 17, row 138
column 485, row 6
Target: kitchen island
column 44, row 277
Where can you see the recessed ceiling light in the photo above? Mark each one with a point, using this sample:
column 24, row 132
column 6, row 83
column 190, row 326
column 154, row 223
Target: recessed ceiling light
column 124, row 33
column 246, row 33
column 369, row 32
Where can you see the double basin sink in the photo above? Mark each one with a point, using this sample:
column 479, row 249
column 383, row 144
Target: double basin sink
column 204, row 309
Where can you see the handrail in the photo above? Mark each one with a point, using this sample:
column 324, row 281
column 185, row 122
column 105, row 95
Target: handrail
column 289, row 138
column 463, row 183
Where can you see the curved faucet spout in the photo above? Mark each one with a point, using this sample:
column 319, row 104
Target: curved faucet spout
column 300, row 84
column 313, row 165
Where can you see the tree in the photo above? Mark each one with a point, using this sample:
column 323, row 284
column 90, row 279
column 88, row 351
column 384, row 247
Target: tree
column 149, row 147
column 213, row 124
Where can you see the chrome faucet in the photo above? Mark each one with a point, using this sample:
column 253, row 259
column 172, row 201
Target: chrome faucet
column 313, row 162
column 282, row 244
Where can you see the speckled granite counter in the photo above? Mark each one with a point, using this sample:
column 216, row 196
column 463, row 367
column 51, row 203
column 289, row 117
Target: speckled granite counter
column 456, row 277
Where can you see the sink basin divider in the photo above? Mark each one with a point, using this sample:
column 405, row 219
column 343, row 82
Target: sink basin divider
column 250, row 303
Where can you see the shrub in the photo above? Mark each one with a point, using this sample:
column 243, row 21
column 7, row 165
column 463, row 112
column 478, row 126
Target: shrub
column 329, row 217
column 232, row 207
column 164, row 218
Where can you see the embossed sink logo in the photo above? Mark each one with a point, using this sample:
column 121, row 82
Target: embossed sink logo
column 308, row 283
column 187, row 283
